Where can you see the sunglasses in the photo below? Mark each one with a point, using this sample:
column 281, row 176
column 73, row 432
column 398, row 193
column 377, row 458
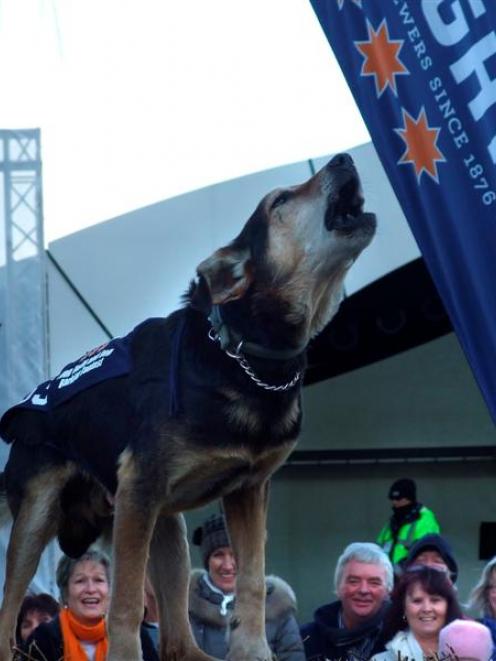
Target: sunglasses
column 437, row 568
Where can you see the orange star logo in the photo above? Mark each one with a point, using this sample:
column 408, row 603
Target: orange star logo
column 341, row 3
column 381, row 58
column 421, row 148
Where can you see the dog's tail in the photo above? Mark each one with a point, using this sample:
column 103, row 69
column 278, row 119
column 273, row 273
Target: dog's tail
column 5, row 515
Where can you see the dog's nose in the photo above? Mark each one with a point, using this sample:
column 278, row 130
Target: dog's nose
column 341, row 161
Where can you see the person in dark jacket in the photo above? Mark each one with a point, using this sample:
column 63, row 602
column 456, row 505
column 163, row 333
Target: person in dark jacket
column 46, row 644
column 212, row 595
column 433, row 551
column 350, row 628
column 35, row 609
column 150, row 620
column 78, row 632
column 410, row 521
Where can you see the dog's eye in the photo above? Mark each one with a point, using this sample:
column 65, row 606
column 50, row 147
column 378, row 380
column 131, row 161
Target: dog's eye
column 282, row 198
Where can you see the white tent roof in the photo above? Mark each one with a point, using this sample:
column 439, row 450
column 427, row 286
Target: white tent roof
column 142, row 100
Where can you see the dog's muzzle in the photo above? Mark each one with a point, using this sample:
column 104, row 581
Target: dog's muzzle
column 345, row 205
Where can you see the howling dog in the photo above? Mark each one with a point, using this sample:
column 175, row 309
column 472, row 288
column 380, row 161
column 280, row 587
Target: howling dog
column 204, row 404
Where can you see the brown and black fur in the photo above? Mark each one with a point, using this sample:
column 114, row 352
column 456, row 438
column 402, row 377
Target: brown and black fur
column 120, row 442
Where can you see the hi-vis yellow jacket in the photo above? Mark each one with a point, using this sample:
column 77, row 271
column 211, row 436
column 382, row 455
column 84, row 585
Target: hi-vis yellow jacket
column 407, row 535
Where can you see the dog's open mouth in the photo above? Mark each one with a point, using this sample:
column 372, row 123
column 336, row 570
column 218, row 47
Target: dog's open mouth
column 345, row 213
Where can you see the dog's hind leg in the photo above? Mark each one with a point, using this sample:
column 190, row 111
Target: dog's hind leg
column 246, row 512
column 5, row 513
column 35, row 524
column 169, row 571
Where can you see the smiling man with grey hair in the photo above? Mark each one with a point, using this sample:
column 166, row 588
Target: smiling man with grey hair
column 350, row 628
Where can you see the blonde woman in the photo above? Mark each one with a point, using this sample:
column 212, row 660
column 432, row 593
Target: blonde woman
column 483, row 597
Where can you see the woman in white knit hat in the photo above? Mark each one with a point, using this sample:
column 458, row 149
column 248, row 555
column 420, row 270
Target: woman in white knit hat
column 465, row 640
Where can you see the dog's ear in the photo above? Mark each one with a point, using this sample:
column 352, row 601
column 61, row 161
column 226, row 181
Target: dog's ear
column 228, row 274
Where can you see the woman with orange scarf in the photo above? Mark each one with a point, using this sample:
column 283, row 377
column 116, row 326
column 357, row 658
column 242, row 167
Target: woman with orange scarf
column 79, row 633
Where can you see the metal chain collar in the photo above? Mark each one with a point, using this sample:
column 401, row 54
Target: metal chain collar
column 248, row 370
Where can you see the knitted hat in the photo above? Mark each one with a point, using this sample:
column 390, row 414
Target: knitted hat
column 433, row 542
column 404, row 488
column 465, row 638
column 211, row 535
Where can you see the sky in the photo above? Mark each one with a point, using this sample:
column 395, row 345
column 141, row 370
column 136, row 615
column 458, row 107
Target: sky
column 141, row 100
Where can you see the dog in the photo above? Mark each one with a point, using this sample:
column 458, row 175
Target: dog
column 209, row 408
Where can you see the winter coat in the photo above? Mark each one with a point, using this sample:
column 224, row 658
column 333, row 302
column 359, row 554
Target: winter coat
column 46, row 644
column 324, row 638
column 490, row 623
column 209, row 618
column 403, row 646
column 408, row 534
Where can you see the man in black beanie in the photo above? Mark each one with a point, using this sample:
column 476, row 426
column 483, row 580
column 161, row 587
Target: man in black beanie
column 433, row 551
column 409, row 522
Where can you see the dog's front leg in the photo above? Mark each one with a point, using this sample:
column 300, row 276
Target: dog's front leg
column 169, row 570
column 245, row 512
column 135, row 516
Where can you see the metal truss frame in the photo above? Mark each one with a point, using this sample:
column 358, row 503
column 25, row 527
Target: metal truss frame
column 25, row 290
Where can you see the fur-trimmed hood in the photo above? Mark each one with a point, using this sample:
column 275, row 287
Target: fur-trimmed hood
column 205, row 604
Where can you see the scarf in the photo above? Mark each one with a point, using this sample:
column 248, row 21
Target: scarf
column 360, row 648
column 401, row 515
column 74, row 631
column 225, row 599
column 342, row 643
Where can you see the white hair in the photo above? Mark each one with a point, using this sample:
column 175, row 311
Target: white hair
column 365, row 552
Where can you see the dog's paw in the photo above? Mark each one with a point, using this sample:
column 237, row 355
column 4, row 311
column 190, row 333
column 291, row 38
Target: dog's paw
column 191, row 655
column 250, row 651
column 182, row 653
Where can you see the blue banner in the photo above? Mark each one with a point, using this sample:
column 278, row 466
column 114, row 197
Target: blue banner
column 423, row 74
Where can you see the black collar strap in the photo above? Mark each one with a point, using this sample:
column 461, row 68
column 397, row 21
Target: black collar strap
column 231, row 341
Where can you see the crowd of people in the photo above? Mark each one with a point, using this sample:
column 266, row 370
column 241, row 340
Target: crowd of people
column 396, row 601
column 413, row 613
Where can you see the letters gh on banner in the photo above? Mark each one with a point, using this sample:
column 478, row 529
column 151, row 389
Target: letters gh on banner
column 423, row 73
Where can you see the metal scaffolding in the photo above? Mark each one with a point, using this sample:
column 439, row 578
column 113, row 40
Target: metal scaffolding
column 23, row 295
column 23, row 291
